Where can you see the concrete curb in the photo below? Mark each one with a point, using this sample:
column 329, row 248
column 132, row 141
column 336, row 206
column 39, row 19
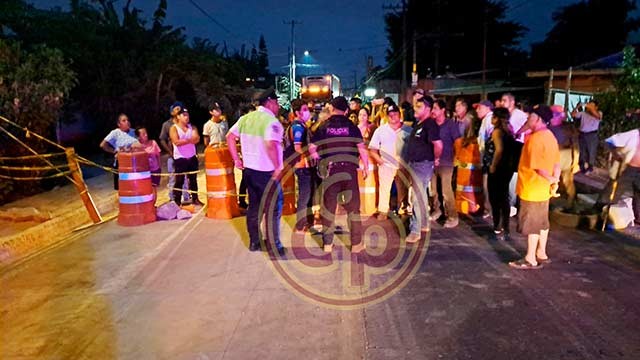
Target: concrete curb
column 20, row 246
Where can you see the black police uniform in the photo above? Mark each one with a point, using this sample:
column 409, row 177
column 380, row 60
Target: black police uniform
column 337, row 141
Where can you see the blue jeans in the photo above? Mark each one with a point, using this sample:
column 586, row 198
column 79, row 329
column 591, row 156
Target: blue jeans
column 261, row 203
column 304, row 215
column 423, row 171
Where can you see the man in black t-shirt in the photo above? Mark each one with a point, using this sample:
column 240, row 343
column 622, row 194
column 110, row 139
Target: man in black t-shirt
column 422, row 152
column 339, row 146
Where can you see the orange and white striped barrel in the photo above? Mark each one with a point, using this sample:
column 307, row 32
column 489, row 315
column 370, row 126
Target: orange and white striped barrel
column 288, row 183
column 221, row 186
column 137, row 205
column 368, row 189
column 469, row 191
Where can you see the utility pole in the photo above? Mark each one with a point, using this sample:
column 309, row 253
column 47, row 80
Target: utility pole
column 414, row 69
column 292, row 64
column 404, row 9
column 484, row 54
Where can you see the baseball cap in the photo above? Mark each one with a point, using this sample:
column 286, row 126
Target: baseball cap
column 486, row 103
column 418, row 91
column 266, row 95
column 393, row 108
column 177, row 108
column 214, row 105
column 543, row 111
column 340, row 103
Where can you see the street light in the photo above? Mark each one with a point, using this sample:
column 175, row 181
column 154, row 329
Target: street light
column 370, row 92
column 306, row 53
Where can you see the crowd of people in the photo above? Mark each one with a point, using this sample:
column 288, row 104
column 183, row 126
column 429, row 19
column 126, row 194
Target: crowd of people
column 417, row 149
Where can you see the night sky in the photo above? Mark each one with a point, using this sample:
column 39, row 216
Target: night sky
column 338, row 37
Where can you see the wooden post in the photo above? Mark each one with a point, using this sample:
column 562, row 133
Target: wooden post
column 550, row 88
column 568, row 89
column 76, row 173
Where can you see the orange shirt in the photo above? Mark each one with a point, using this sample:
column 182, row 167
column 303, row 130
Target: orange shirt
column 540, row 151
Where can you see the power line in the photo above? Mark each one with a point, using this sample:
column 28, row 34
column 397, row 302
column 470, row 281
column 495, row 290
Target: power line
column 203, row 11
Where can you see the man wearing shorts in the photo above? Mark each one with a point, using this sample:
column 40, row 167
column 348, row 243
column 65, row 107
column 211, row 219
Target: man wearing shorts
column 538, row 170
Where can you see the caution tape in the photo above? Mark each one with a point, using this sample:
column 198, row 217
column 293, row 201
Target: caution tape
column 27, row 157
column 35, row 178
column 33, row 168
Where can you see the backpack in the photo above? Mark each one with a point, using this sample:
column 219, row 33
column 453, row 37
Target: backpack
column 289, row 148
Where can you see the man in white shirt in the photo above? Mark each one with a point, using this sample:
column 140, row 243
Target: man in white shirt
column 589, row 123
column 625, row 149
column 260, row 134
column 517, row 122
column 215, row 129
column 384, row 151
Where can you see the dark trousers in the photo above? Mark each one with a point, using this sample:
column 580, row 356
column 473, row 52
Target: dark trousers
column 186, row 165
column 304, row 214
column 498, row 186
column 341, row 187
column 588, row 148
column 242, row 193
column 628, row 185
column 116, row 176
column 264, row 203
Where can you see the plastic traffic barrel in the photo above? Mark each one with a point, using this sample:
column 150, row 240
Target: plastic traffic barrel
column 469, row 196
column 137, row 205
column 368, row 189
column 288, row 183
column 222, row 200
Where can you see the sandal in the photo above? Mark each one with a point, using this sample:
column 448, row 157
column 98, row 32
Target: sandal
column 523, row 264
column 543, row 261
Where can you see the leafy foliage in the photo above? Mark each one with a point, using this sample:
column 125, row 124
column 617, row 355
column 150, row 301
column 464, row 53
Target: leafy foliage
column 586, row 31
column 455, row 27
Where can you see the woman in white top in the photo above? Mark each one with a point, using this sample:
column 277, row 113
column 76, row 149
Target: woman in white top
column 184, row 138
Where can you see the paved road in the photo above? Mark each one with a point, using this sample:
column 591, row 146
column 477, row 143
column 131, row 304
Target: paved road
column 191, row 290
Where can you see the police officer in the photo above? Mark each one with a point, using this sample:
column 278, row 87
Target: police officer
column 339, row 145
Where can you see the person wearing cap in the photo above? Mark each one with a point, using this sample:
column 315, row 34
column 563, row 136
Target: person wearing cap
column 422, row 152
column 449, row 133
column 589, row 120
column 418, row 94
column 567, row 136
column 184, row 138
column 484, row 110
column 260, row 134
column 339, row 145
column 462, row 116
column 165, row 144
column 355, row 104
column 215, row 130
column 385, row 148
column 297, row 142
column 123, row 137
column 538, row 172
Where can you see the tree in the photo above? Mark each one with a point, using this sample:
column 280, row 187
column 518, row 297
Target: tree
column 584, row 32
column 263, row 57
column 621, row 106
column 450, row 32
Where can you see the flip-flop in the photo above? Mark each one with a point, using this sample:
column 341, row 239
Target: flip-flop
column 523, row 264
column 543, row 261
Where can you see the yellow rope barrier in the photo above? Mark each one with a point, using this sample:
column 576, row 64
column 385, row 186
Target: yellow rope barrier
column 27, row 157
column 34, row 178
column 33, row 168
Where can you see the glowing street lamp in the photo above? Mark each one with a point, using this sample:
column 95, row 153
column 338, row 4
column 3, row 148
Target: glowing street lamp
column 370, row 92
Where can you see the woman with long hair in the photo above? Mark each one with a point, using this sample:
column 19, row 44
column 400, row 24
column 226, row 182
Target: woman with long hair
column 496, row 163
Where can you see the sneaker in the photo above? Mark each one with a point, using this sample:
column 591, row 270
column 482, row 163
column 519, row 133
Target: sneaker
column 356, row 249
column 451, row 223
column 382, row 216
column 435, row 215
column 513, row 211
column 328, row 248
column 412, row 238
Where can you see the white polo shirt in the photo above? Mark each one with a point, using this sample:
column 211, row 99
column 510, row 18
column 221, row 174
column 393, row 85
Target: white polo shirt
column 386, row 140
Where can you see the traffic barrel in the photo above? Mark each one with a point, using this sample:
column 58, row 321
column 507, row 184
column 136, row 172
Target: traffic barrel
column 368, row 189
column 288, row 183
column 469, row 190
column 137, row 204
column 222, row 200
